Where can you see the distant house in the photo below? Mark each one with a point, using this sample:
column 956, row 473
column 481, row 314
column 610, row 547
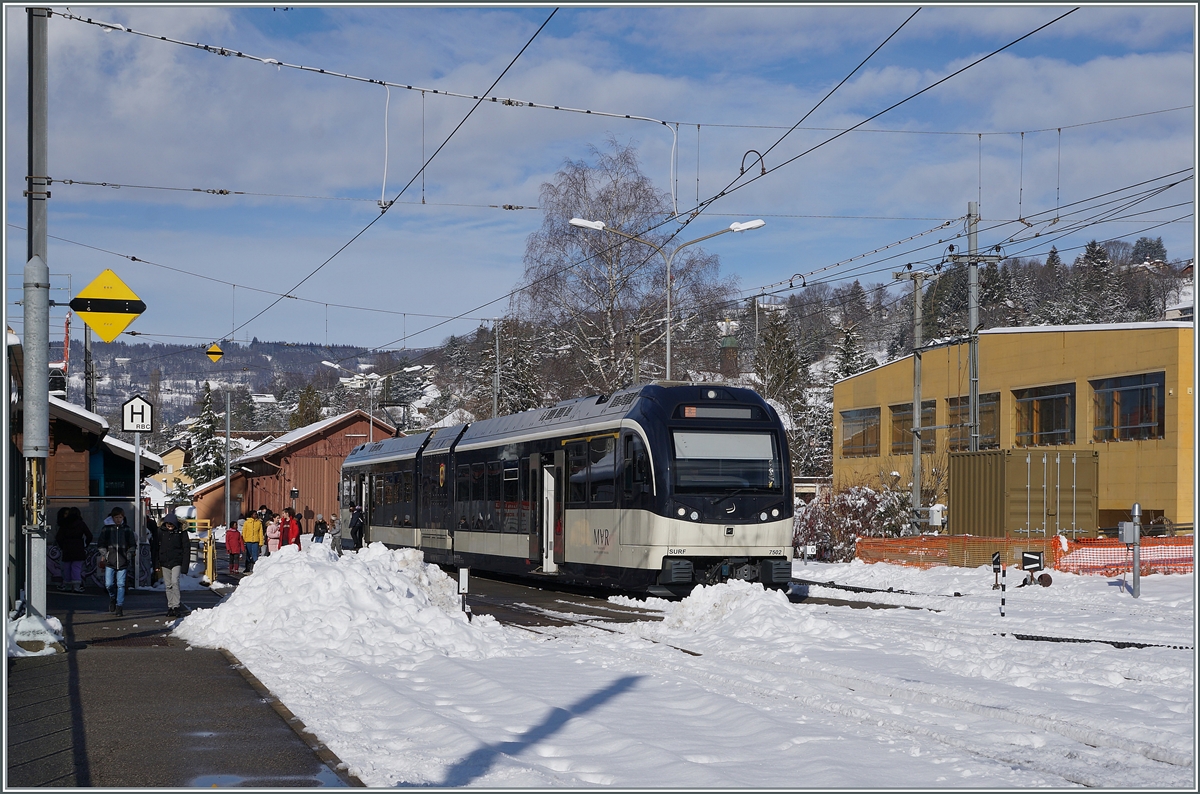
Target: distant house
column 308, row 459
column 174, row 458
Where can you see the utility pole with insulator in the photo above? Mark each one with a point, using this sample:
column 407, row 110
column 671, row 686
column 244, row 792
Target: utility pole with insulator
column 917, row 277
column 36, row 307
column 972, row 258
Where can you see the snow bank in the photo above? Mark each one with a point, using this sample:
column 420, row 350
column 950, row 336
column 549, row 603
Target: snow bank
column 32, row 629
column 375, row 607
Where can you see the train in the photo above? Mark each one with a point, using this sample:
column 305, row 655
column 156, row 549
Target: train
column 653, row 489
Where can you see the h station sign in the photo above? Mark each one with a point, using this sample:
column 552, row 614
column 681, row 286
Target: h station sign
column 137, row 416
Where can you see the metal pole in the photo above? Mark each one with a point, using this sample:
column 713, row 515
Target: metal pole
column 137, row 508
column 917, row 341
column 228, row 517
column 1137, row 549
column 973, row 333
column 496, row 377
column 669, row 259
column 89, row 371
column 36, row 307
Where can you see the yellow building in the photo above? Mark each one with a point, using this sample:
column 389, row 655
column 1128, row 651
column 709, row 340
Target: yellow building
column 1124, row 390
column 171, row 473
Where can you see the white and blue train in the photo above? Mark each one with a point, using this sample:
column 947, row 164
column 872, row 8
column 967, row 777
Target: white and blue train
column 656, row 488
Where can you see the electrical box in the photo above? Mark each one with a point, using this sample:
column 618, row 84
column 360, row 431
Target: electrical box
column 1129, row 532
column 295, row 494
column 937, row 516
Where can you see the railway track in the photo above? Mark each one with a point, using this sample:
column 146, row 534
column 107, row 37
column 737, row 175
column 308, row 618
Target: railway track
column 998, row 721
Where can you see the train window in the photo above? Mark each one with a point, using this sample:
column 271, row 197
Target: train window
column 478, row 482
column 637, row 468
column 716, row 462
column 510, row 486
column 602, row 463
column 524, row 518
column 462, row 488
column 407, row 487
column 577, row 468
column 378, row 478
column 493, row 486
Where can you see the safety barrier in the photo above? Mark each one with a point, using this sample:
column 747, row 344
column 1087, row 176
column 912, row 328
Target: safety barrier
column 1110, row 557
column 1101, row 556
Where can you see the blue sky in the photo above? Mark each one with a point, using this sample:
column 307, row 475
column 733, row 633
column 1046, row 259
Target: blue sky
column 135, row 111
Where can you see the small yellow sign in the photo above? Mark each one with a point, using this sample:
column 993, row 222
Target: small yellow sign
column 107, row 305
column 215, row 352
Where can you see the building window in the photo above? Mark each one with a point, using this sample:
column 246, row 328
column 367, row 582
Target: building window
column 1045, row 415
column 860, row 433
column 958, row 413
column 1130, row 408
column 902, row 425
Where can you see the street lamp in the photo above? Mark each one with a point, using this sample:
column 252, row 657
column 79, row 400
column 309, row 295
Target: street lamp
column 733, row 227
column 360, row 378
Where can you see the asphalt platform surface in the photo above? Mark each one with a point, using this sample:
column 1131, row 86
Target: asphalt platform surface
column 128, row 706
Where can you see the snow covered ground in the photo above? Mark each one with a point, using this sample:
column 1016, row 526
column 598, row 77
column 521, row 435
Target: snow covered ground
column 736, row 686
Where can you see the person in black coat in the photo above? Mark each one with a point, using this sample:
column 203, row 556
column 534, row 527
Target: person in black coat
column 174, row 554
column 357, row 526
column 72, row 540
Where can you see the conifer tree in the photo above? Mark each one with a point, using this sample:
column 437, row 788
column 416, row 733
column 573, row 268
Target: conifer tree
column 206, row 450
column 851, row 358
column 308, row 409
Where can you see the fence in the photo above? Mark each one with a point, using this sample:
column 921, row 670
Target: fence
column 1101, row 556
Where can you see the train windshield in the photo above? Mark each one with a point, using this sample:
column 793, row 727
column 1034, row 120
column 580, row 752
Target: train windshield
column 711, row 463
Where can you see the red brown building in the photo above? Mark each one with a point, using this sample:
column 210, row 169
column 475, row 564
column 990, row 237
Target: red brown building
column 308, row 459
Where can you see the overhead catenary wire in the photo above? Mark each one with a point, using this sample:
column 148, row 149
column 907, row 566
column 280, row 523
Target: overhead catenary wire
column 424, row 165
column 235, row 285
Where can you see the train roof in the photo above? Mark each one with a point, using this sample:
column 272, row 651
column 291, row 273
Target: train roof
column 564, row 418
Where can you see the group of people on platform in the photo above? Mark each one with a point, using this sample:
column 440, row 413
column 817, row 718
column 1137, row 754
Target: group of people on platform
column 260, row 533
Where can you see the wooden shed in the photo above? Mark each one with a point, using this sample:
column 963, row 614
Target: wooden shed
column 308, row 459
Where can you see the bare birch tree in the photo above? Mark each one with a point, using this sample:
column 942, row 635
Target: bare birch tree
column 592, row 291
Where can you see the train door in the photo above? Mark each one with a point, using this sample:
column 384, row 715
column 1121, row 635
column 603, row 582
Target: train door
column 533, row 500
column 553, row 482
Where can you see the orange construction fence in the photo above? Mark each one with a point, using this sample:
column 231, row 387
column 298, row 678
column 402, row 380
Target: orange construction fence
column 1100, row 556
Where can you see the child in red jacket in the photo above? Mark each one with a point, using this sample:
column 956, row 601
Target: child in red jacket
column 234, row 547
column 290, row 528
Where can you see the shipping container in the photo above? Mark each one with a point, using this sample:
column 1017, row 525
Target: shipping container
column 1024, row 493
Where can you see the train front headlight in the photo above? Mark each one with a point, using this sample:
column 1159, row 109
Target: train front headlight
column 762, row 516
column 695, row 516
column 775, row 513
column 682, row 512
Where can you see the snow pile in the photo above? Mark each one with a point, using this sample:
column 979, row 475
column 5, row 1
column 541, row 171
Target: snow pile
column 32, row 630
column 373, row 608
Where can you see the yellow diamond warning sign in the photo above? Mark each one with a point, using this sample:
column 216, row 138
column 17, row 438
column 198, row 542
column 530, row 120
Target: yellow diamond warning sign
column 215, row 352
column 107, row 305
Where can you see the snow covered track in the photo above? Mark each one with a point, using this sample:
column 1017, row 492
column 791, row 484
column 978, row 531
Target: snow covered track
column 733, row 686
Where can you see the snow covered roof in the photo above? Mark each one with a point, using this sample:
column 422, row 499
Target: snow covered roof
column 1086, row 327
column 124, row 450
column 78, row 416
column 274, row 445
column 208, row 486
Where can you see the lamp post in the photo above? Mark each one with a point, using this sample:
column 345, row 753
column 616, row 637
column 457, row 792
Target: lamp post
column 733, row 227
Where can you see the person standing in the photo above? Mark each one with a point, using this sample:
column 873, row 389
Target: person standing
column 174, row 552
column 72, row 539
column 274, row 531
column 252, row 537
column 234, row 546
column 117, row 548
column 289, row 528
column 357, row 526
column 319, row 529
column 335, row 536
column 152, row 530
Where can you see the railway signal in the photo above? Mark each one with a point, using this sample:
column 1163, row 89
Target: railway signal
column 107, row 305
